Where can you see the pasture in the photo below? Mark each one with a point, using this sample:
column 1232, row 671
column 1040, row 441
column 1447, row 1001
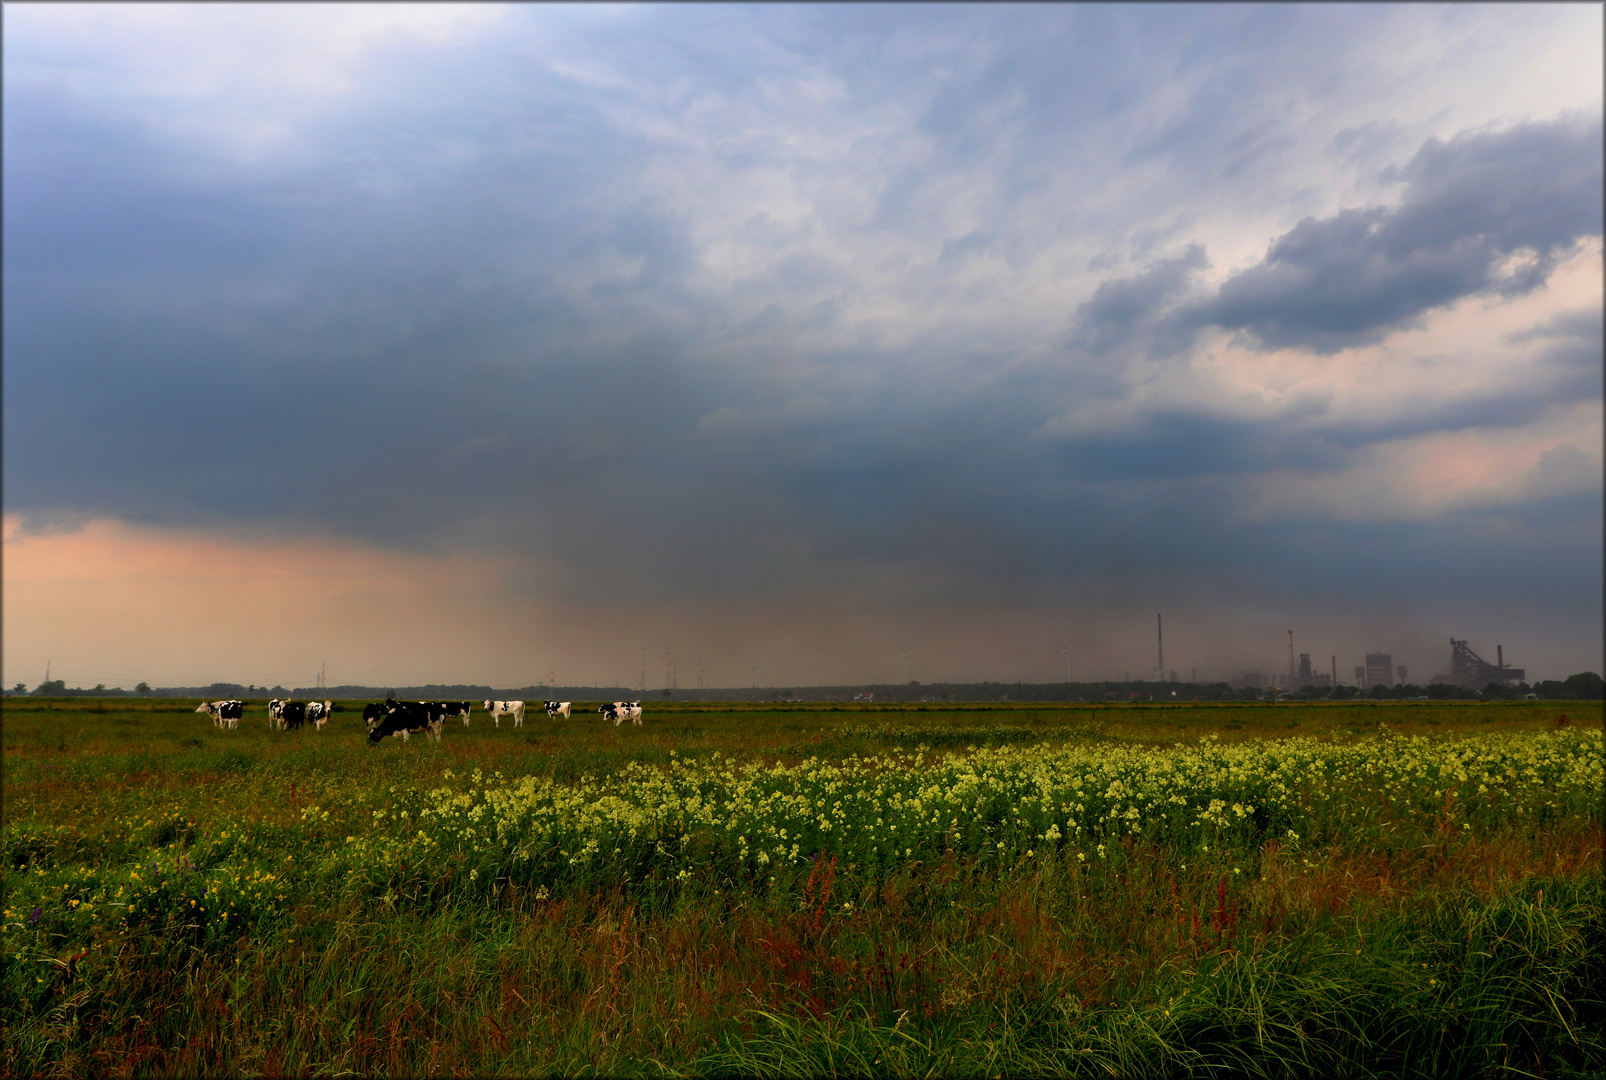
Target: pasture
column 1356, row 889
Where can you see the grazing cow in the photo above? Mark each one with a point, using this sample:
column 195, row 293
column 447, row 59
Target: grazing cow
column 555, row 708
column 318, row 713
column 223, row 713
column 407, row 718
column 499, row 709
column 374, row 712
column 620, row 711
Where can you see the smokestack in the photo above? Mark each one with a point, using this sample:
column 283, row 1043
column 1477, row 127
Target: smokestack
column 1335, row 672
column 1159, row 630
column 1500, row 657
column 1290, row 660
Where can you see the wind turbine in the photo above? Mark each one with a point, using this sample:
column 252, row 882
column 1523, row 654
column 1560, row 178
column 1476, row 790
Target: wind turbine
column 759, row 669
column 906, row 656
column 1066, row 652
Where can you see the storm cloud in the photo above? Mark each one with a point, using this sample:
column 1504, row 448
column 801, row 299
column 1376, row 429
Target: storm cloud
column 1482, row 214
column 873, row 314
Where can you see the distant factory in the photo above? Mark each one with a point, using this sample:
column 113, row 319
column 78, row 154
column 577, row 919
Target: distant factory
column 1473, row 672
column 1467, row 670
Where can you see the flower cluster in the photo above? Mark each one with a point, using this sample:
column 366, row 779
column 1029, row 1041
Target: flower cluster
column 716, row 820
column 999, row 805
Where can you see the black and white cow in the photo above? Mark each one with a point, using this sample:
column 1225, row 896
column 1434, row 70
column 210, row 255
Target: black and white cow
column 499, row 709
column 318, row 713
column 374, row 712
column 556, row 708
column 620, row 711
column 223, row 713
column 276, row 713
column 408, row 718
column 450, row 709
column 292, row 714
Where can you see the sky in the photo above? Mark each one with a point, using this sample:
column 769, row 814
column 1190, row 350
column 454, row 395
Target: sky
column 766, row 345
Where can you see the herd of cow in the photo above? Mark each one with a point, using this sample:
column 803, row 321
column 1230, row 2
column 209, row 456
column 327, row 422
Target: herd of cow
column 403, row 719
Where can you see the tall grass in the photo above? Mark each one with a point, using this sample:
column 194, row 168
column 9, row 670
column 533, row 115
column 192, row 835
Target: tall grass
column 225, row 923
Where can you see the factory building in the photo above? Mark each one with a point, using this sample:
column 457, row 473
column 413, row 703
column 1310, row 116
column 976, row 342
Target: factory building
column 1379, row 669
column 1469, row 670
column 1309, row 677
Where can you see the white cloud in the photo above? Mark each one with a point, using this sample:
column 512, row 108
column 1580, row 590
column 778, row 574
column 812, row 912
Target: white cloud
column 242, row 80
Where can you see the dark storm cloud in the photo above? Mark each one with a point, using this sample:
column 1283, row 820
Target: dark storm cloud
column 1469, row 206
column 492, row 303
column 1122, row 309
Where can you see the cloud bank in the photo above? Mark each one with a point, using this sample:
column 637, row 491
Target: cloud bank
column 841, row 330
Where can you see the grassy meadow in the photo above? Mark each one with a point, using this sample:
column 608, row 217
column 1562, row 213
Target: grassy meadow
column 1354, row 889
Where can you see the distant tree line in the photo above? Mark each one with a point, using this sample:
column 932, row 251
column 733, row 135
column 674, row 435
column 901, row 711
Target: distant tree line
column 1585, row 686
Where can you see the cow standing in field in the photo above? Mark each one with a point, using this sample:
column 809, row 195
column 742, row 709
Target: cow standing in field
column 318, row 713
column 456, row 708
column 292, row 714
column 556, row 708
column 223, row 713
column 408, row 718
column 620, row 711
column 276, row 713
column 499, row 709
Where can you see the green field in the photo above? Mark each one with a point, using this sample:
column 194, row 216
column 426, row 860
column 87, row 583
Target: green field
column 1347, row 889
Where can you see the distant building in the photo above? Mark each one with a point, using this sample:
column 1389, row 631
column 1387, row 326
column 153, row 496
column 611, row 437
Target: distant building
column 1469, row 670
column 1379, row 669
column 1245, row 680
column 1360, row 677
